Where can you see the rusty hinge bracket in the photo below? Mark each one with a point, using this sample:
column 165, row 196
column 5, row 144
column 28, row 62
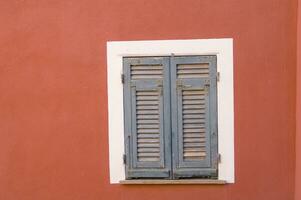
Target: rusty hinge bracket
column 219, row 158
column 122, row 78
column 124, row 158
column 217, row 76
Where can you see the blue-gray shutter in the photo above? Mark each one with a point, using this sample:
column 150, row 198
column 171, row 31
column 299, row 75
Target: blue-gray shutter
column 147, row 117
column 194, row 116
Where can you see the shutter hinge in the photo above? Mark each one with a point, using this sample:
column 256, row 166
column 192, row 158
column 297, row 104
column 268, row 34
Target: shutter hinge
column 124, row 158
column 217, row 76
column 122, row 78
column 219, row 158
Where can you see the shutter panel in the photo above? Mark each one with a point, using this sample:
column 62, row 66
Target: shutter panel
column 194, row 116
column 147, row 116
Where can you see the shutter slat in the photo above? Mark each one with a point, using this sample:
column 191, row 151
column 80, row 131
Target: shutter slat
column 193, row 71
column 193, row 140
column 193, row 102
column 192, row 97
column 192, row 130
column 149, row 154
column 143, row 145
column 148, row 93
column 142, row 121
column 148, row 126
column 146, row 98
column 140, row 72
column 194, row 111
column 147, row 140
column 193, row 107
column 141, row 130
column 154, row 135
column 195, row 149
column 194, row 126
column 147, row 103
column 148, row 67
column 195, row 144
column 194, row 121
column 148, row 150
column 151, row 112
column 147, row 72
column 148, row 134
column 195, row 154
column 147, row 107
column 193, row 135
column 193, row 116
column 134, row 77
column 193, row 66
column 146, row 159
column 192, row 76
column 193, row 92
column 147, row 116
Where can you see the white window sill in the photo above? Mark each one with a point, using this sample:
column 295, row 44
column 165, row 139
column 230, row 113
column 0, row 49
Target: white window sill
column 173, row 182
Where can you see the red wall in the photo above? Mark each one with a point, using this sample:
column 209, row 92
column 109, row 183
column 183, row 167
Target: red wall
column 53, row 99
column 298, row 109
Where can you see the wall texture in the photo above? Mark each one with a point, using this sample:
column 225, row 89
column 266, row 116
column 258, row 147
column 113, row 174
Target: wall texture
column 298, row 110
column 53, row 101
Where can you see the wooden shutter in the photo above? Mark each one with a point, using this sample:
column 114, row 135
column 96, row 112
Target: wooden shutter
column 147, row 117
column 194, row 116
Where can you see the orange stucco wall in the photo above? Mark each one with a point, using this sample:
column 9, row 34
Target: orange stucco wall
column 298, row 110
column 53, row 99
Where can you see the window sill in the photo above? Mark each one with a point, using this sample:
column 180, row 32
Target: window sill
column 173, row 182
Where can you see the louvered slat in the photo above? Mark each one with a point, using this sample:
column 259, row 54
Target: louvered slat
column 194, row 132
column 140, row 72
column 148, row 133
column 193, row 70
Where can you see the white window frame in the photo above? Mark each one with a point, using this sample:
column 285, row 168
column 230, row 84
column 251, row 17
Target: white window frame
column 222, row 48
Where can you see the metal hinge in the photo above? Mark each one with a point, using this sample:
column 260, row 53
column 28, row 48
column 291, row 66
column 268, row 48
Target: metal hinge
column 217, row 76
column 124, row 158
column 122, row 78
column 219, row 158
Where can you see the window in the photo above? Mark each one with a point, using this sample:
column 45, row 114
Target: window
column 172, row 54
column 170, row 117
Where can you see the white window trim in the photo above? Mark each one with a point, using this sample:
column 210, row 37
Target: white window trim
column 222, row 48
